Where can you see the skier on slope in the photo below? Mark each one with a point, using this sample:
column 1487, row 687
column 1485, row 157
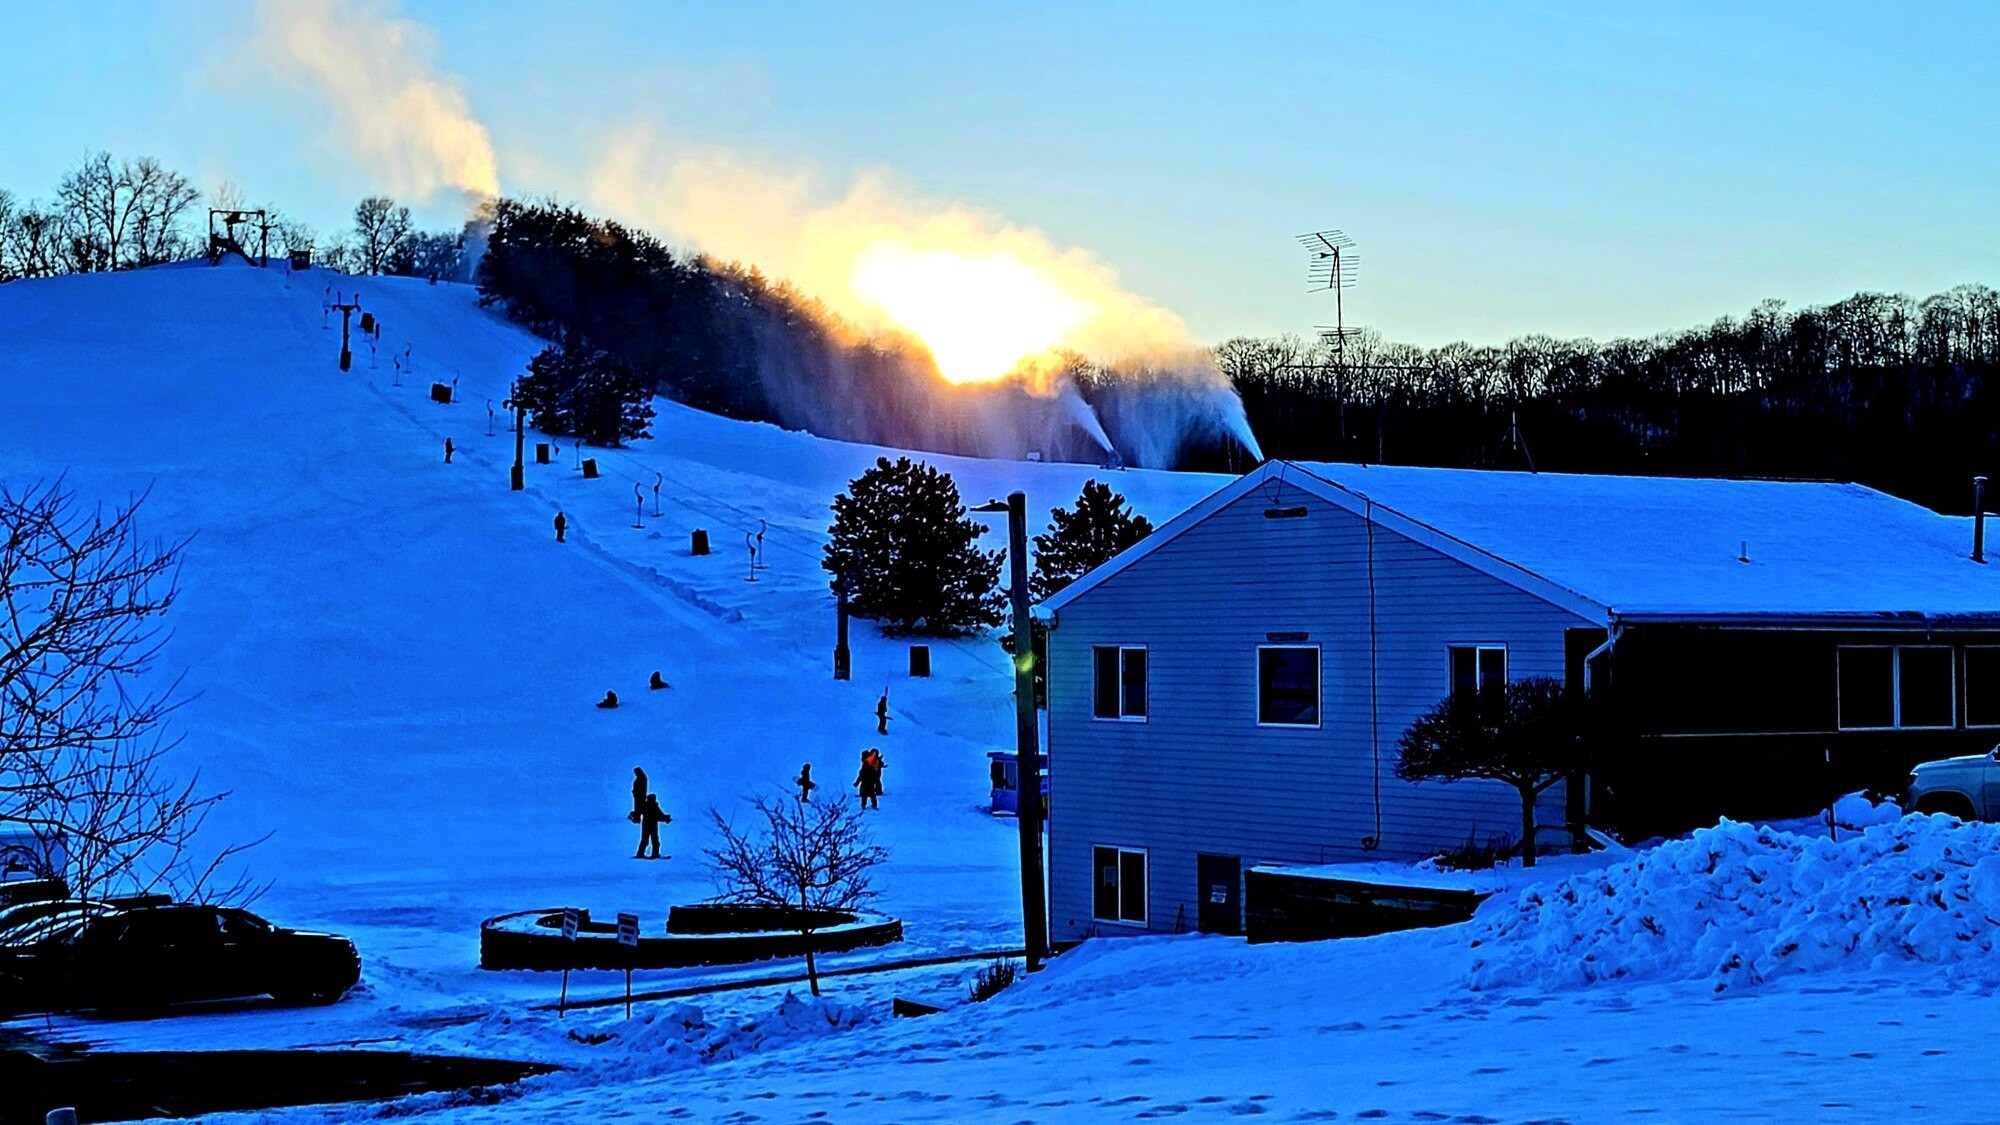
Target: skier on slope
column 639, row 791
column 882, row 713
column 651, row 816
column 447, row 451
column 805, row 782
column 562, row 525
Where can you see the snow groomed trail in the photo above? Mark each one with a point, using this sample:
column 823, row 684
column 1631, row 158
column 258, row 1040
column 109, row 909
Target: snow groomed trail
column 392, row 664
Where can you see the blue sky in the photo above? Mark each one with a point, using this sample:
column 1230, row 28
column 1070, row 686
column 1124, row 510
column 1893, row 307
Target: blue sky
column 1506, row 168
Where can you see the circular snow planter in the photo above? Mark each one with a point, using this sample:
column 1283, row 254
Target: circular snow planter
column 707, row 934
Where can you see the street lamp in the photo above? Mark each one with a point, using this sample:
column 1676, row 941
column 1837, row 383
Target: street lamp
column 1027, row 729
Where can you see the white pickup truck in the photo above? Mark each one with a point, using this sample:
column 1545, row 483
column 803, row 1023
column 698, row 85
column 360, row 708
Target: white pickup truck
column 1967, row 787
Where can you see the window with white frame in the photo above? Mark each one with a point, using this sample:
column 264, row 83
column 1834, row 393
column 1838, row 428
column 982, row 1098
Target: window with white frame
column 1118, row 688
column 1288, row 685
column 1982, row 686
column 1895, row 687
column 1475, row 667
column 1119, row 886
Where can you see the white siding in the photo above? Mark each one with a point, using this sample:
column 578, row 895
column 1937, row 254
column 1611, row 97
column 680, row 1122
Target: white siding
column 1200, row 775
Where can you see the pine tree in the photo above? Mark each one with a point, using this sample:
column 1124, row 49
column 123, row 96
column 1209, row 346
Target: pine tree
column 577, row 391
column 1084, row 538
column 903, row 542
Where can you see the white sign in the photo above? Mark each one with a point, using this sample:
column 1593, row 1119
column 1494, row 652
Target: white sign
column 570, row 922
column 628, row 929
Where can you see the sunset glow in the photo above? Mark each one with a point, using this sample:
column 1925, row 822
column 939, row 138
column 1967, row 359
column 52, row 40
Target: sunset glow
column 979, row 315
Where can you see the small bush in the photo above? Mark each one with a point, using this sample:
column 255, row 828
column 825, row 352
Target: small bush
column 992, row 979
column 1473, row 856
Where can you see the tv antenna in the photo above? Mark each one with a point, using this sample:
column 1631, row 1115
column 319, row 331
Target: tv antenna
column 1331, row 263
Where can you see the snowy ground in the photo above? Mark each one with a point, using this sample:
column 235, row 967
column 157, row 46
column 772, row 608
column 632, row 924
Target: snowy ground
column 395, row 664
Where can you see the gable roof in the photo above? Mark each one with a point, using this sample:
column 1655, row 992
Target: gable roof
column 1662, row 548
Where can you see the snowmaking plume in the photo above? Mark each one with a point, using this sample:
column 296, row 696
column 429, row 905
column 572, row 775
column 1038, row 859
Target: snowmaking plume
column 1000, row 308
column 393, row 111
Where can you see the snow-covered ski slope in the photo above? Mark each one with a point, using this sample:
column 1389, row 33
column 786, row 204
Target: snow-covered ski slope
column 392, row 664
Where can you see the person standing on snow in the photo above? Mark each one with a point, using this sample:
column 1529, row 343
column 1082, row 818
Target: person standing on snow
column 651, row 816
column 805, row 782
column 869, row 781
column 639, row 791
column 562, row 525
column 882, row 713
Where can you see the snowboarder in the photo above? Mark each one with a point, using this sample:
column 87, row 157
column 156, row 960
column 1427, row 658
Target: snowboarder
column 882, row 713
column 639, row 791
column 447, row 451
column 869, row 781
column 609, row 702
column 656, row 683
column 805, row 782
column 562, row 525
column 651, row 816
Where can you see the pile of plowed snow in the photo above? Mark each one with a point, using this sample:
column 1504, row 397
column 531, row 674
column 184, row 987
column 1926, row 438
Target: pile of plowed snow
column 1737, row 905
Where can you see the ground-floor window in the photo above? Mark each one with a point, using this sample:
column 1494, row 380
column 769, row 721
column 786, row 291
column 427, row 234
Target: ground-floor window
column 1982, row 686
column 1896, row 686
column 1119, row 886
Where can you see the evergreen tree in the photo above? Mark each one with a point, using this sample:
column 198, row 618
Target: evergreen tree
column 1083, row 538
column 906, row 548
column 582, row 392
column 1527, row 733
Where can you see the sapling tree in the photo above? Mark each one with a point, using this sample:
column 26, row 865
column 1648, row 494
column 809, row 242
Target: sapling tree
column 799, row 858
column 84, row 741
column 1526, row 733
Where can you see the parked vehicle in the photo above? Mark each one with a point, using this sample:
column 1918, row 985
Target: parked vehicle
column 25, row 914
column 1967, row 787
column 151, row 957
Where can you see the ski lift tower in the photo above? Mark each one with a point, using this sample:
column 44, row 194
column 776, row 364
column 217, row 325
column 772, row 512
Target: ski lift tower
column 224, row 242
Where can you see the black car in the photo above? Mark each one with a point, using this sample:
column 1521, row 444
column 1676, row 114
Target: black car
column 154, row 956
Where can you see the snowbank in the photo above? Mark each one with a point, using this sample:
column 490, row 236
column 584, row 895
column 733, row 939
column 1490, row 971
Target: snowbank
column 1737, row 905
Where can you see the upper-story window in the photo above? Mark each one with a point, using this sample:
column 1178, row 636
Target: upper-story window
column 1118, row 689
column 1476, row 667
column 1288, row 685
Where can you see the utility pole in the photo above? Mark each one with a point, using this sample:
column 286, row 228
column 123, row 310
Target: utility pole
column 1027, row 730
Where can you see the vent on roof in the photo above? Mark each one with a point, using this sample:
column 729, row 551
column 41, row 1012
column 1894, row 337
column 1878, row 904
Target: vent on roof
column 1979, row 519
column 1298, row 513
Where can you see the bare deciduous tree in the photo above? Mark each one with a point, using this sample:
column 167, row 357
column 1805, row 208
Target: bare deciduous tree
column 804, row 859
column 84, row 743
column 381, row 226
column 124, row 214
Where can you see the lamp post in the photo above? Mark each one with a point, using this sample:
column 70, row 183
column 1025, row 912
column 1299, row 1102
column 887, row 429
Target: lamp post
column 1027, row 730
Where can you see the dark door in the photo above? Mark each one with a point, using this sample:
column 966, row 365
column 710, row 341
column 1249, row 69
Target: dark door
column 1221, row 894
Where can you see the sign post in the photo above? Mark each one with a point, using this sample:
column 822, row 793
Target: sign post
column 570, row 924
column 628, row 936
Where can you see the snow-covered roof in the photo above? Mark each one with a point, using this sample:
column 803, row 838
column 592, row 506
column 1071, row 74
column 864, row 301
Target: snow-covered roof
column 1659, row 547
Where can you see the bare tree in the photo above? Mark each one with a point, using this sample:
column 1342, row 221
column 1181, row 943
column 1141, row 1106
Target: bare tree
column 804, row 859
column 34, row 242
column 124, row 214
column 381, row 226
column 83, row 737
